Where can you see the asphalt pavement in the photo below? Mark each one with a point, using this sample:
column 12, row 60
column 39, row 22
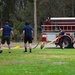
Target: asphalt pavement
column 21, row 44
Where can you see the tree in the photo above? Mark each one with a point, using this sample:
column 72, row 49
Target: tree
column 18, row 11
column 8, row 5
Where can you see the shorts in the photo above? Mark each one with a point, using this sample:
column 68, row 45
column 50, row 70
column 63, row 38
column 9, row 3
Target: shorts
column 5, row 39
column 63, row 39
column 28, row 39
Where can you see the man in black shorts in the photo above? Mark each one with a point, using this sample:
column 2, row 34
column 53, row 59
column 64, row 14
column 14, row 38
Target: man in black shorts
column 63, row 38
column 27, row 36
column 6, row 32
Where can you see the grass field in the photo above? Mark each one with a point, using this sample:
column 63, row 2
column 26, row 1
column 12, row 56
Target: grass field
column 39, row 62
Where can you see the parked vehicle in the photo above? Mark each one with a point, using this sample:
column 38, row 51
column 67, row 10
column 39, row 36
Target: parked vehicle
column 50, row 30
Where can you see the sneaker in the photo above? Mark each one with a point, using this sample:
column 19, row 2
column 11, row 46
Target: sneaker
column 25, row 51
column 9, row 52
column 62, row 47
column 1, row 51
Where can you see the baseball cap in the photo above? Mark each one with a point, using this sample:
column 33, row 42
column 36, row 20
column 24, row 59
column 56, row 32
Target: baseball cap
column 26, row 23
column 6, row 23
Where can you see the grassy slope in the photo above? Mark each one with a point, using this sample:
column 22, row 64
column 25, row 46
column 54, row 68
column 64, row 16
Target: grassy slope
column 40, row 62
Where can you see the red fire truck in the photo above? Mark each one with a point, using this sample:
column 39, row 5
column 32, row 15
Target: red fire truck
column 50, row 30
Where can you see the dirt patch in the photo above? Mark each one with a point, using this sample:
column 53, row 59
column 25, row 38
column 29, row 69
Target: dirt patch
column 59, row 63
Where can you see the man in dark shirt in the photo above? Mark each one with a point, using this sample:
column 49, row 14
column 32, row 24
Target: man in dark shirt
column 6, row 32
column 27, row 36
column 63, row 38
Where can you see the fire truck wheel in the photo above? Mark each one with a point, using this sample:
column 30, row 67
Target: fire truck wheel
column 67, row 42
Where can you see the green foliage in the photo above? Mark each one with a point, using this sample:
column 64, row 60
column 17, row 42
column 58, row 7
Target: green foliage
column 19, row 11
column 24, row 9
column 31, row 1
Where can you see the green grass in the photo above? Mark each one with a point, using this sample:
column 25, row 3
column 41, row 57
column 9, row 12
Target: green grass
column 39, row 62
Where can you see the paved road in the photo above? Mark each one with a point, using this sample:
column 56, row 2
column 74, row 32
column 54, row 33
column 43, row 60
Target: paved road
column 33, row 45
column 22, row 45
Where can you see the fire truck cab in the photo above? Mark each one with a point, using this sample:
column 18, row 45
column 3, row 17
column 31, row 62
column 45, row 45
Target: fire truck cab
column 50, row 30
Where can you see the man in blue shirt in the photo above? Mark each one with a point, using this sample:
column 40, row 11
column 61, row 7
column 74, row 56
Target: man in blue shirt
column 63, row 38
column 6, row 32
column 27, row 36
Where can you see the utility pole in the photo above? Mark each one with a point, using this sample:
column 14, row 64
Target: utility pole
column 72, row 8
column 35, row 22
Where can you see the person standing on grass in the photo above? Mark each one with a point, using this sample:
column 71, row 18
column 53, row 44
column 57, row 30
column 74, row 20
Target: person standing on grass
column 63, row 38
column 6, row 32
column 27, row 36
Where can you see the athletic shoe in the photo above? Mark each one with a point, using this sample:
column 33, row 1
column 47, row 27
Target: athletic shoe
column 25, row 51
column 1, row 51
column 9, row 52
column 62, row 47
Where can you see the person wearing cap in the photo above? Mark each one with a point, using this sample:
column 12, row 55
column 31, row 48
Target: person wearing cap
column 6, row 33
column 61, row 33
column 27, row 36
